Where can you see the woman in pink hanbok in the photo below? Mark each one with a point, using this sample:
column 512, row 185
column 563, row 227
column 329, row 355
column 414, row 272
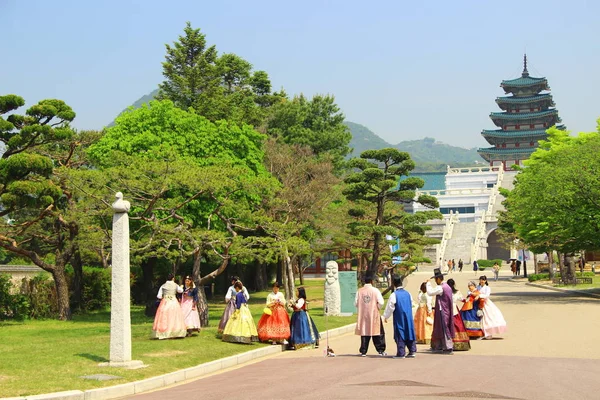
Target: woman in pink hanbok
column 169, row 322
column 189, row 302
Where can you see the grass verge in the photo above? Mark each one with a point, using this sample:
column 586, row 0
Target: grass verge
column 43, row 356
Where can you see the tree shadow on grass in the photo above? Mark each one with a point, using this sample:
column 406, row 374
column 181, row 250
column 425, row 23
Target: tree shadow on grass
column 92, row 357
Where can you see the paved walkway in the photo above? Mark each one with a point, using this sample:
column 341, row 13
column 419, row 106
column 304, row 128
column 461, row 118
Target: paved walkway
column 550, row 352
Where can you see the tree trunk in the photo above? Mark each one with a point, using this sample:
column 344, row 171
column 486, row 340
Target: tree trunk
column 62, row 293
column 77, row 279
column 283, row 275
column 290, row 289
column 550, row 262
column 279, row 275
column 300, row 272
column 148, row 285
column 202, row 305
column 535, row 264
column 260, row 276
column 524, row 265
column 561, row 267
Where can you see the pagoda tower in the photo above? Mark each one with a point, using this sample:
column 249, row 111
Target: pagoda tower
column 526, row 116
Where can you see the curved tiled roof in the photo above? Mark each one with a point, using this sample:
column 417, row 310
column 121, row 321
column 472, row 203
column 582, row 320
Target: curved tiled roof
column 521, row 116
column 498, row 133
column 524, row 81
column 524, row 100
column 512, row 150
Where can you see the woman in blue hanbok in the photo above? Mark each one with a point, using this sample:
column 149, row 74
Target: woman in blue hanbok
column 303, row 330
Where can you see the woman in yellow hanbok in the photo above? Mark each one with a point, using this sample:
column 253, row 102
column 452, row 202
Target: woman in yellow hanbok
column 240, row 328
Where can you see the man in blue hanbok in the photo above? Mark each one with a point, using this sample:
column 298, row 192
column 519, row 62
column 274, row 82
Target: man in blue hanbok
column 400, row 305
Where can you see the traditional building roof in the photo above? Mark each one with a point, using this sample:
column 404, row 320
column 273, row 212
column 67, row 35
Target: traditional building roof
column 499, row 133
column 525, row 99
column 510, row 116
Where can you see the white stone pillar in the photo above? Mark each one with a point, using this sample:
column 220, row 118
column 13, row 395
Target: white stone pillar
column 120, row 316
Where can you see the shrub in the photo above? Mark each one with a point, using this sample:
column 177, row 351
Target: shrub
column 41, row 294
column 483, row 264
column 539, row 277
column 96, row 289
column 12, row 306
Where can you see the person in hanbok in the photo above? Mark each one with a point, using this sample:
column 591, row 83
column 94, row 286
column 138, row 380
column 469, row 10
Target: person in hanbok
column 189, row 303
column 470, row 312
column 461, row 338
column 492, row 322
column 424, row 316
column 400, row 306
column 240, row 327
column 274, row 325
column 169, row 322
column 369, row 325
column 443, row 323
column 303, row 329
column 230, row 301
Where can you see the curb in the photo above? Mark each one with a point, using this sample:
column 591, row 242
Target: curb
column 556, row 289
column 157, row 382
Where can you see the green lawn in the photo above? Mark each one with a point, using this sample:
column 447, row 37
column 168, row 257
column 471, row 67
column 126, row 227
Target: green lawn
column 49, row 356
column 595, row 285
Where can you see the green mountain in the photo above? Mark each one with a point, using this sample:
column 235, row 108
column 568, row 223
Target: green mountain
column 428, row 154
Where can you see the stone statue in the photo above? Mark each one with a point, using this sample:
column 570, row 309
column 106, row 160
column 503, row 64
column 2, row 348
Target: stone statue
column 333, row 298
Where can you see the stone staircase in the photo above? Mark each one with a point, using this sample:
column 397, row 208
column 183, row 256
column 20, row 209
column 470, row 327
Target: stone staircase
column 459, row 245
column 507, row 182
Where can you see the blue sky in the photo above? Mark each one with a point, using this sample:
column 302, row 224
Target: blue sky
column 406, row 70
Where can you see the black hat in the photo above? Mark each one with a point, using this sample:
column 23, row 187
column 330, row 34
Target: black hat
column 437, row 273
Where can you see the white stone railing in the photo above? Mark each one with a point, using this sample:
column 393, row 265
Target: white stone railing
column 467, row 170
column 480, row 237
column 448, row 229
column 454, row 192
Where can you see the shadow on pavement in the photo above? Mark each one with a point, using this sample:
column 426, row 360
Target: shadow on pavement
column 542, row 297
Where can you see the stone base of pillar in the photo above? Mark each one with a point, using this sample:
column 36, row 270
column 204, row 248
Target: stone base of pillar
column 133, row 364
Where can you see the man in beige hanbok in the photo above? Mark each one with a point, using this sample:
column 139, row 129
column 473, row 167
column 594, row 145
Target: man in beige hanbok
column 369, row 325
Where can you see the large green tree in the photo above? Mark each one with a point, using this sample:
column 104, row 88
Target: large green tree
column 376, row 188
column 554, row 204
column 36, row 200
column 216, row 87
column 317, row 123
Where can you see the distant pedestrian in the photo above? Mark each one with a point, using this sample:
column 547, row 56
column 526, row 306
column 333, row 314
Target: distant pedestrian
column 475, row 266
column 369, row 324
column 460, row 265
column 513, row 267
column 443, row 323
column 581, row 264
column 518, row 267
column 453, row 265
column 496, row 269
column 400, row 305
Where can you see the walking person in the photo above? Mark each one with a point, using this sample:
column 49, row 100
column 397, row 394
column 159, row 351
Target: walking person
column 189, row 306
column 443, row 324
column 460, row 265
column 519, row 267
column 475, row 266
column 496, row 269
column 400, row 305
column 369, row 325
column 453, row 266
column 169, row 322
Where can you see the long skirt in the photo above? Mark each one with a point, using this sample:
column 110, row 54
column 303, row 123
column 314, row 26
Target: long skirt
column 461, row 338
column 169, row 322
column 240, row 328
column 190, row 314
column 423, row 330
column 227, row 313
column 274, row 327
column 493, row 322
column 472, row 323
column 303, row 330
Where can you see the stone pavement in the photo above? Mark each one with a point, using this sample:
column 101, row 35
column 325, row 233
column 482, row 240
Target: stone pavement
column 550, row 352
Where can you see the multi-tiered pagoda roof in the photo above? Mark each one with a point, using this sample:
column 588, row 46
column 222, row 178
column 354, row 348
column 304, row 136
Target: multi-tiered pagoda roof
column 525, row 117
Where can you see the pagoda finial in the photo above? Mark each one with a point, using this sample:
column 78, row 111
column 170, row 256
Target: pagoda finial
column 525, row 73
